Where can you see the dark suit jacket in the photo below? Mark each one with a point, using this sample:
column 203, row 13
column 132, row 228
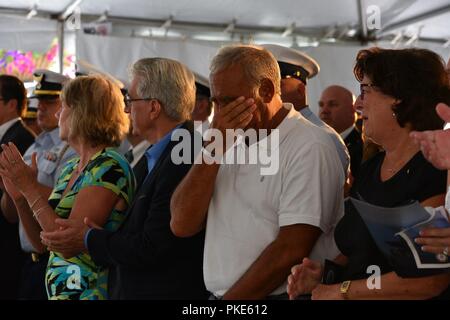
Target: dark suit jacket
column 146, row 260
column 20, row 135
column 354, row 145
column 13, row 256
column 140, row 171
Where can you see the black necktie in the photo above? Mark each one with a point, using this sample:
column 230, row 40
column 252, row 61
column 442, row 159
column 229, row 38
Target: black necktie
column 129, row 155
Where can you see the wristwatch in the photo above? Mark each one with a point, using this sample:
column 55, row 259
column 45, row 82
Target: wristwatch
column 345, row 286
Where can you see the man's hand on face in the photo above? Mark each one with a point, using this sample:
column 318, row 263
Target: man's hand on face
column 234, row 115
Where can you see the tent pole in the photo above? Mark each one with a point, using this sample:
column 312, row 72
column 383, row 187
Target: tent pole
column 362, row 20
column 61, row 45
column 415, row 19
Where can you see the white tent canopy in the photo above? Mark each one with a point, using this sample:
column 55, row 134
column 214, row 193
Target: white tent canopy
column 253, row 18
column 192, row 30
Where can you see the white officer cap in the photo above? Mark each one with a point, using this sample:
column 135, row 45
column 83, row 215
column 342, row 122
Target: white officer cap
column 293, row 63
column 48, row 83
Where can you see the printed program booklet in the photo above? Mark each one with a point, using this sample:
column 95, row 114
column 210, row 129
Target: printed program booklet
column 394, row 231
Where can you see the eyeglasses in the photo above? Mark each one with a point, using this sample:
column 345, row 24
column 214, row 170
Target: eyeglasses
column 361, row 88
column 129, row 102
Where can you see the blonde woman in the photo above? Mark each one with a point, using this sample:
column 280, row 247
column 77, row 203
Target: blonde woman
column 96, row 187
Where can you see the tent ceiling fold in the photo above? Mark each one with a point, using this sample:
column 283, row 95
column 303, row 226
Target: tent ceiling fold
column 285, row 19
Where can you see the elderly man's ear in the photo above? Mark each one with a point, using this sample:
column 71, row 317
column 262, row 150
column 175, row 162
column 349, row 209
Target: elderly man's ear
column 266, row 90
column 155, row 109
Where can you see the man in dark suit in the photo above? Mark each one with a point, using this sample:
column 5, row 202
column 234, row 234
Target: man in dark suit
column 145, row 259
column 337, row 109
column 12, row 129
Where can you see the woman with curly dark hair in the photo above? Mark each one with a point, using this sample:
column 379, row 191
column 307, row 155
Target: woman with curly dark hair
column 400, row 90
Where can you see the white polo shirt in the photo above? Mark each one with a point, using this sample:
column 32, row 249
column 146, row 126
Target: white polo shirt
column 247, row 209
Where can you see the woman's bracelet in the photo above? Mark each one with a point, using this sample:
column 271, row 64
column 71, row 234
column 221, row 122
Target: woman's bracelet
column 38, row 212
column 35, row 202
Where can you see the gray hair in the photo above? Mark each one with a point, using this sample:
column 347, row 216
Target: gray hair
column 168, row 81
column 256, row 62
